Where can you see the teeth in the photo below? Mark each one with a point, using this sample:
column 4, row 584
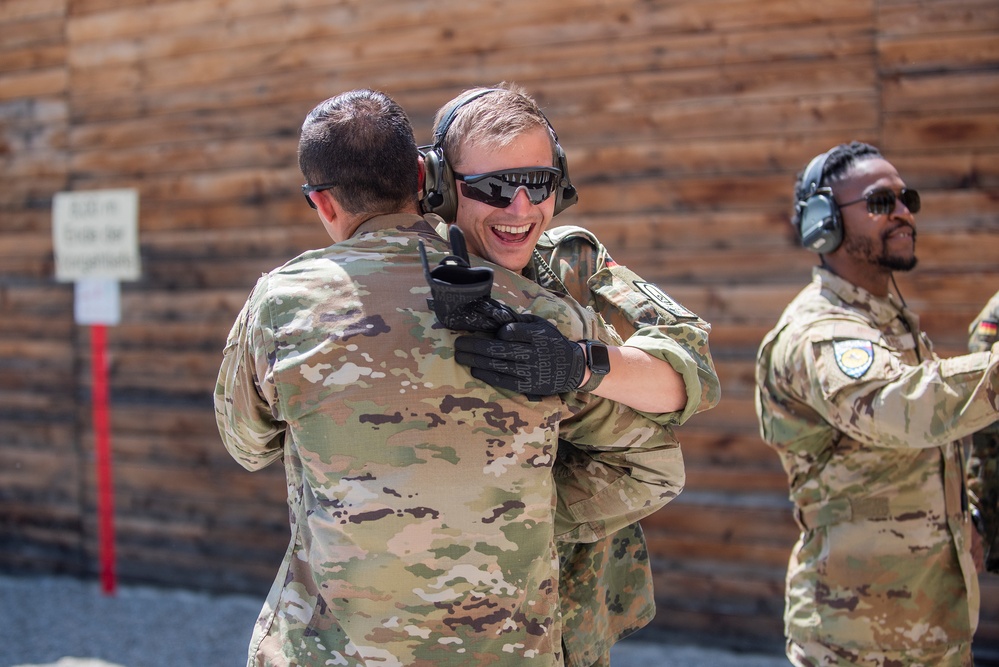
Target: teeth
column 507, row 229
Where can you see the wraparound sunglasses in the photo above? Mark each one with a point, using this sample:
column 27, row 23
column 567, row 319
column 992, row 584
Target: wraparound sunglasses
column 498, row 188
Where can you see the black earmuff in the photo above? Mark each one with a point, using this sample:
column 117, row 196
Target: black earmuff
column 820, row 224
column 438, row 194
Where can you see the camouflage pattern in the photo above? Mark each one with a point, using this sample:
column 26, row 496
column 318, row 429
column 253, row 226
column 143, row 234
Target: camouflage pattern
column 819, row 654
column 983, row 464
column 421, row 501
column 866, row 419
column 572, row 260
column 606, row 586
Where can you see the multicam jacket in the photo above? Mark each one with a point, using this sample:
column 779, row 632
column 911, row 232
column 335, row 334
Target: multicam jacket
column 984, row 462
column 865, row 418
column 421, row 501
column 606, row 585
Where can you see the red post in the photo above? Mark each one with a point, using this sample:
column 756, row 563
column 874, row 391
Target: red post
column 102, row 454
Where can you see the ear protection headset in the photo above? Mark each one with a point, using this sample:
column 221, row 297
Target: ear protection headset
column 439, row 195
column 820, row 222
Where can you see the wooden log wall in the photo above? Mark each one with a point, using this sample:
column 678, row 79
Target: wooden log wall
column 684, row 123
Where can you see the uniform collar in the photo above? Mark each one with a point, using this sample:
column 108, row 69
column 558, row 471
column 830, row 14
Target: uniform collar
column 881, row 309
column 400, row 221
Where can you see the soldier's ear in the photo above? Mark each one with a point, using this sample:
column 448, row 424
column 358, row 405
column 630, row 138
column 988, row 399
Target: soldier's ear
column 335, row 220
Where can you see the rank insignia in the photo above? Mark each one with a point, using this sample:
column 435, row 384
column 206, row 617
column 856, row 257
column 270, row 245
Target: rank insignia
column 854, row 357
column 663, row 300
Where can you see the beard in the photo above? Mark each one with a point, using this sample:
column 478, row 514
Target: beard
column 864, row 248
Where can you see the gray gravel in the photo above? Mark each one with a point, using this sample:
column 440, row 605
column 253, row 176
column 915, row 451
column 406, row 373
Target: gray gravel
column 65, row 622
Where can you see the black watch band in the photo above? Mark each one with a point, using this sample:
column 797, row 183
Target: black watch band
column 598, row 361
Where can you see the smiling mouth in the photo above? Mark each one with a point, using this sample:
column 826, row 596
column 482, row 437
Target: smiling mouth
column 904, row 231
column 511, row 233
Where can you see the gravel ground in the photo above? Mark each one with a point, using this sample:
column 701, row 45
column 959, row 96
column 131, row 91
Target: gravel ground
column 66, row 622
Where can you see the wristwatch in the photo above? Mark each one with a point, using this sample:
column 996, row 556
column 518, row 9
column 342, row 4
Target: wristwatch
column 598, row 361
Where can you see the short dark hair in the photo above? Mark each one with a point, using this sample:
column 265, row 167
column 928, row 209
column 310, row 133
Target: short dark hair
column 841, row 158
column 362, row 141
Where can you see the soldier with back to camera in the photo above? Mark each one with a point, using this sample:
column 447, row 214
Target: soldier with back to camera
column 421, row 501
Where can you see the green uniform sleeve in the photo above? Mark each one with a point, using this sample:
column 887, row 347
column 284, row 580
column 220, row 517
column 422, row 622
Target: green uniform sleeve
column 573, row 260
column 848, row 374
column 243, row 394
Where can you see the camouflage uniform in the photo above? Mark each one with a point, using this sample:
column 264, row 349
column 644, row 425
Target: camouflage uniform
column 606, row 586
column 865, row 417
column 984, row 461
column 421, row 501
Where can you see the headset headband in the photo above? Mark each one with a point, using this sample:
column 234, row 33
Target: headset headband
column 813, row 174
column 445, row 124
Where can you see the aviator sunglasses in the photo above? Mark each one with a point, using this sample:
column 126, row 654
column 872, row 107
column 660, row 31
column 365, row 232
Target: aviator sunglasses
column 498, row 188
column 882, row 202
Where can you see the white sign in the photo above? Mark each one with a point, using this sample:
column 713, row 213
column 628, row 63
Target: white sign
column 97, row 301
column 95, row 235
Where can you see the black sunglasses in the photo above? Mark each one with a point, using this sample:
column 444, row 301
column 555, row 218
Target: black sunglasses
column 498, row 188
column 882, row 202
column 306, row 189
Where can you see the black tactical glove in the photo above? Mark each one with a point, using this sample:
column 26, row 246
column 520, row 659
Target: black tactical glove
column 460, row 292
column 529, row 357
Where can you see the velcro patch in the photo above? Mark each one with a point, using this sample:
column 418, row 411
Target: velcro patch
column 987, row 328
column 663, row 300
column 854, row 357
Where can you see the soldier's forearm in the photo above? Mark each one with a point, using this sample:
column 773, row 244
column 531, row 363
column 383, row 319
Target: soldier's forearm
column 642, row 382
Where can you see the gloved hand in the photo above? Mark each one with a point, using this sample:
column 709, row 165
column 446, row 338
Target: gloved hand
column 460, row 292
column 529, row 356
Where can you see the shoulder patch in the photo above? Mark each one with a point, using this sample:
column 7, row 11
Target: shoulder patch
column 854, row 357
column 663, row 300
column 987, row 328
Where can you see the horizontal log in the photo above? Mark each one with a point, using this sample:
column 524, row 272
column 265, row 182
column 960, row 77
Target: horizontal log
column 33, row 394
column 34, row 56
column 946, row 130
column 55, row 433
column 46, row 477
column 703, row 445
column 154, row 448
column 754, row 631
column 914, row 18
column 18, row 11
column 931, row 53
column 222, row 485
column 731, row 525
column 707, row 549
column 166, row 336
column 34, row 83
column 947, row 90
